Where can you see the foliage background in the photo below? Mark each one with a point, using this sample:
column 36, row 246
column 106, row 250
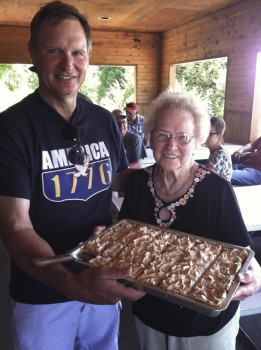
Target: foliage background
column 207, row 79
column 109, row 86
column 113, row 86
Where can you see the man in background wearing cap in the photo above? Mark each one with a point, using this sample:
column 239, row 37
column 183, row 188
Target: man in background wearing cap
column 135, row 121
column 135, row 150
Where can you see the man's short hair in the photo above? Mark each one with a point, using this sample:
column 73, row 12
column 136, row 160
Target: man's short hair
column 119, row 114
column 58, row 11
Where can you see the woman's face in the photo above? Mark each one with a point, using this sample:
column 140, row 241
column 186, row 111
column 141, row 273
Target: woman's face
column 214, row 140
column 174, row 153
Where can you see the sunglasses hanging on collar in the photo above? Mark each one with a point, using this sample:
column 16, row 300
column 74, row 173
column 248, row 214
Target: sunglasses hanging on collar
column 76, row 154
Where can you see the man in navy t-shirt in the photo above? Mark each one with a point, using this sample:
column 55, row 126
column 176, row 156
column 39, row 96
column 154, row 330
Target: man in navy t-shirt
column 58, row 156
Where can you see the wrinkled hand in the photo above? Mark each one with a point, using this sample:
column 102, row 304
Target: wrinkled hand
column 102, row 286
column 250, row 283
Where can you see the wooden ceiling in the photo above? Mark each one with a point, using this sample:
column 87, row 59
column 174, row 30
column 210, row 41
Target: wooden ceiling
column 126, row 15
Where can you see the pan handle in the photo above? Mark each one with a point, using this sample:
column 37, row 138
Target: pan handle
column 41, row 262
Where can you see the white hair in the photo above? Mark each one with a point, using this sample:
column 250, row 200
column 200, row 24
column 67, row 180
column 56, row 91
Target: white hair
column 180, row 101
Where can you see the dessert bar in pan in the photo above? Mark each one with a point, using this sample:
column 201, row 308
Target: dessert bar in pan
column 189, row 270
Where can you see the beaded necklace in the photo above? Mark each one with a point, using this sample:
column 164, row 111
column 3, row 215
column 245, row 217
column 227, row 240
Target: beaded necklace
column 166, row 214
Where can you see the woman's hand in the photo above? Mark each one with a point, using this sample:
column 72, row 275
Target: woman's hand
column 250, row 281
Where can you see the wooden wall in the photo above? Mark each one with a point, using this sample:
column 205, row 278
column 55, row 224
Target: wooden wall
column 109, row 48
column 139, row 49
column 235, row 33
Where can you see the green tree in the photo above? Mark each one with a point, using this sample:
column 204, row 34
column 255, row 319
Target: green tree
column 207, row 79
column 13, row 78
column 10, row 77
column 109, row 86
column 32, row 78
column 113, row 79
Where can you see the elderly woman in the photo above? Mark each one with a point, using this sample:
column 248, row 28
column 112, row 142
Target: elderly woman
column 219, row 160
column 178, row 193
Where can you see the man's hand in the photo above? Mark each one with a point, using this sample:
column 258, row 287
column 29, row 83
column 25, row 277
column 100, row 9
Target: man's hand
column 102, row 286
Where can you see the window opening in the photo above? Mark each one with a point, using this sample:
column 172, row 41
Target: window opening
column 109, row 86
column 206, row 78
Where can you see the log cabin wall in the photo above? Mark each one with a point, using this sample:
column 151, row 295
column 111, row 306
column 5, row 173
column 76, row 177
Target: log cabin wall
column 109, row 48
column 235, row 33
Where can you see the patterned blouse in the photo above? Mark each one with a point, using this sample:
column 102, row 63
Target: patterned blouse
column 221, row 161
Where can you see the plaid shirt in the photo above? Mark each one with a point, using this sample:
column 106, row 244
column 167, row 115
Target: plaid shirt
column 137, row 127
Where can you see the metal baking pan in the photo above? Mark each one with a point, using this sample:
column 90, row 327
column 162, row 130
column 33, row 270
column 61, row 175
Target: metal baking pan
column 82, row 258
column 182, row 300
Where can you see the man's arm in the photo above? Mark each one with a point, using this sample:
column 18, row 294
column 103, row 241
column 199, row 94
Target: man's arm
column 135, row 150
column 241, row 151
column 94, row 285
column 135, row 164
column 120, row 179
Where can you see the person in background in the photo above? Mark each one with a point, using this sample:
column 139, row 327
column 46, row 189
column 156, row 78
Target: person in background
column 247, row 164
column 219, row 160
column 136, row 121
column 56, row 168
column 178, row 193
column 135, row 150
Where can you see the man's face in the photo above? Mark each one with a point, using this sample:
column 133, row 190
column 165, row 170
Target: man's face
column 61, row 58
column 122, row 124
column 131, row 114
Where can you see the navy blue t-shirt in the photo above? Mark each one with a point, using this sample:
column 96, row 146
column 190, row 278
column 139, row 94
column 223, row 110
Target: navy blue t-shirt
column 64, row 207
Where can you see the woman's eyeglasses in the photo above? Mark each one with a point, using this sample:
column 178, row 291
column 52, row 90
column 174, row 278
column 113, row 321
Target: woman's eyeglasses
column 76, row 154
column 181, row 138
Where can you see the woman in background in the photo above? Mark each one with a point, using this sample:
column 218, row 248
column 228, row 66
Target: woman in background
column 219, row 160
